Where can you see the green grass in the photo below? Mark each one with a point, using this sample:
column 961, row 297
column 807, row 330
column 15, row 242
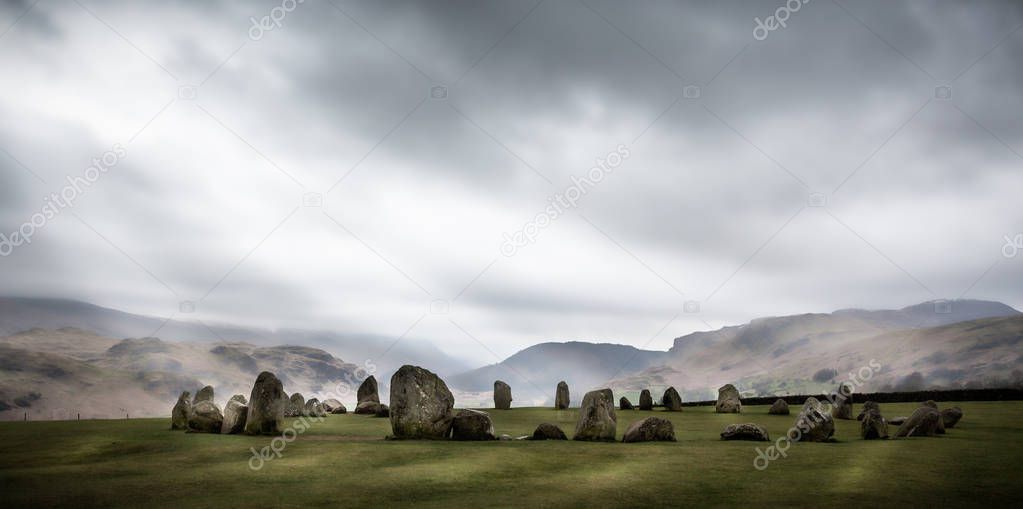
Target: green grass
column 344, row 461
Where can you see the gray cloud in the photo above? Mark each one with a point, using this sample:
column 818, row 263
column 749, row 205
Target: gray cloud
column 707, row 204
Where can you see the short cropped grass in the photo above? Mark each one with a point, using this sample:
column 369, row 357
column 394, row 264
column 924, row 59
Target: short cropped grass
column 345, row 462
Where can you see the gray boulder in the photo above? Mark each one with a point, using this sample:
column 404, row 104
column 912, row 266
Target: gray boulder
column 780, row 407
column 922, row 423
column 728, row 400
column 897, row 421
column 645, row 401
column 179, row 414
column 941, row 422
column 873, row 426
column 296, row 406
column 814, row 422
column 472, row 425
column 502, row 395
column 561, row 399
column 204, row 394
column 745, row 431
column 950, row 416
column 333, row 406
column 624, row 403
column 235, row 414
column 548, row 431
column 651, row 429
column 266, row 406
column 671, row 400
column 313, row 408
column 597, row 419
column 421, row 404
column 368, row 390
column 867, row 407
column 205, row 417
column 382, row 411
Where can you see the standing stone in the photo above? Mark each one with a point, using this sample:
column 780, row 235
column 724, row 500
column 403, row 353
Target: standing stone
column 205, row 417
column 204, row 394
column 597, row 419
column 651, row 429
column 941, row 422
column 333, row 406
column 235, row 413
column 472, row 425
column 671, row 400
column 266, row 406
column 780, row 407
column 313, row 408
column 645, row 401
column 502, row 395
column 728, row 400
column 296, row 406
column 746, row 431
column 421, row 404
column 867, row 407
column 368, row 390
column 179, row 414
column 950, row 416
column 561, row 399
column 624, row 403
column 922, row 423
column 841, row 407
column 367, row 408
column 548, row 431
column 873, row 426
column 814, row 422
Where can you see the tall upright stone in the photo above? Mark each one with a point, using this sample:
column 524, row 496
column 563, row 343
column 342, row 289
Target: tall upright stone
column 179, row 414
column 235, row 413
column 671, row 400
column 842, row 406
column 814, row 422
column 561, row 398
column 266, row 406
column 728, row 400
column 296, row 406
column 646, row 402
column 421, row 404
column 597, row 419
column 368, row 391
column 502, row 395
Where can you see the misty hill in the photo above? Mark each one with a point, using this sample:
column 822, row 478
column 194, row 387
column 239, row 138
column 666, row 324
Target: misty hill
column 805, row 353
column 60, row 373
column 534, row 372
column 19, row 314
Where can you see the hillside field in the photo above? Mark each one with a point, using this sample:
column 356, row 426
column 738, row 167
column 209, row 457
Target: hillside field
column 345, row 461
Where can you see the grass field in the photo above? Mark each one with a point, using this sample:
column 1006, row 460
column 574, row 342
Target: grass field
column 344, row 461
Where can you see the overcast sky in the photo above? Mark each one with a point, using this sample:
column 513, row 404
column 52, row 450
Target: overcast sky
column 227, row 129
